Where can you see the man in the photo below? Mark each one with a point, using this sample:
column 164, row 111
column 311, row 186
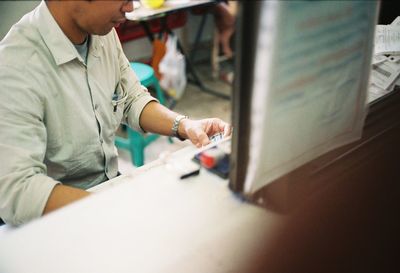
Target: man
column 65, row 86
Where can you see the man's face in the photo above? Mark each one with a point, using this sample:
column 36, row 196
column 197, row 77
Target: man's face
column 99, row 17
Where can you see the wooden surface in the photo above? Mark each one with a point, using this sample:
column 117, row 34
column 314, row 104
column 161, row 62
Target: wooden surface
column 374, row 156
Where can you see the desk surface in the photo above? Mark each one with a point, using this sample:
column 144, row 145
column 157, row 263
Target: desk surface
column 149, row 221
column 143, row 13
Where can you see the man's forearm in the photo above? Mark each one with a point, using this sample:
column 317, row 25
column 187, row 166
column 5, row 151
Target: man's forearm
column 156, row 118
column 63, row 195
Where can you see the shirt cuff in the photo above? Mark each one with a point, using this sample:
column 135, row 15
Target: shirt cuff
column 136, row 111
column 32, row 199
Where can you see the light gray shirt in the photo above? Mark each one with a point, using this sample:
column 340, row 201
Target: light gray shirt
column 58, row 115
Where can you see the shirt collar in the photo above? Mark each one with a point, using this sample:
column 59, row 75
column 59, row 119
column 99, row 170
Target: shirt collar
column 58, row 43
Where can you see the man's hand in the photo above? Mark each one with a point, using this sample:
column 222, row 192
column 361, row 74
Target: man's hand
column 158, row 119
column 199, row 131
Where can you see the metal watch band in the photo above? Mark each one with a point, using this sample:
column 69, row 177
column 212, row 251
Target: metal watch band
column 175, row 126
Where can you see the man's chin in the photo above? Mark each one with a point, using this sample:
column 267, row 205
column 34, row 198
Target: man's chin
column 103, row 31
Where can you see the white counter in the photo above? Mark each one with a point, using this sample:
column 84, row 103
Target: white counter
column 147, row 222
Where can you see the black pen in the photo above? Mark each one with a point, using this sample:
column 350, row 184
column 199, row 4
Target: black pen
column 189, row 174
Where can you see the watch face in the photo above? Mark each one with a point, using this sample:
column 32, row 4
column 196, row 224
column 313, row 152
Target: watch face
column 175, row 126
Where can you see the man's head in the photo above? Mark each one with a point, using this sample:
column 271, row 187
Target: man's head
column 79, row 18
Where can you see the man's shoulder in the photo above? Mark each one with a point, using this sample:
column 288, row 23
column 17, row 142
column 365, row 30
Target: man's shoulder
column 23, row 55
column 21, row 43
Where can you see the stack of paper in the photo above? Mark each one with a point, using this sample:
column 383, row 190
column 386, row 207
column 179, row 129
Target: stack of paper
column 386, row 61
column 312, row 67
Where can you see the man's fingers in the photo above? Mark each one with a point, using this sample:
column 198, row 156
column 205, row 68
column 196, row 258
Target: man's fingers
column 198, row 137
column 203, row 138
column 227, row 130
column 224, row 127
column 200, row 134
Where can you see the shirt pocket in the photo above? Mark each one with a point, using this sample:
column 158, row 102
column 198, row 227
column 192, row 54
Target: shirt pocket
column 117, row 105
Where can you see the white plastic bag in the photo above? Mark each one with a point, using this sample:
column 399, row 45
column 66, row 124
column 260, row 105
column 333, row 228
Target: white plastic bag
column 173, row 69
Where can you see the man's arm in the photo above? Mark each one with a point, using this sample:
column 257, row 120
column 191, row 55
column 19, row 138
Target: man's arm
column 158, row 119
column 155, row 118
column 63, row 195
column 24, row 184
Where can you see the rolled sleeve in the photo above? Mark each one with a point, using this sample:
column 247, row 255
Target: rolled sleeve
column 136, row 108
column 24, row 199
column 137, row 95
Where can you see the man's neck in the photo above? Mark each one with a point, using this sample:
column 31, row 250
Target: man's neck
column 58, row 10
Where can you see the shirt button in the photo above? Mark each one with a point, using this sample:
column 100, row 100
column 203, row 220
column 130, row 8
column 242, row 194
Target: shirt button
column 96, row 106
column 101, row 140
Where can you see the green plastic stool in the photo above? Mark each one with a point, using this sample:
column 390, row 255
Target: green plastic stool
column 136, row 142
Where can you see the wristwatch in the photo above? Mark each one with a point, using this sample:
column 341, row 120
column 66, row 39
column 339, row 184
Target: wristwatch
column 175, row 126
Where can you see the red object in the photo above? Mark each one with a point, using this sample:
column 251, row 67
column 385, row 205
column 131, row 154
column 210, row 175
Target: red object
column 207, row 161
column 131, row 30
column 210, row 158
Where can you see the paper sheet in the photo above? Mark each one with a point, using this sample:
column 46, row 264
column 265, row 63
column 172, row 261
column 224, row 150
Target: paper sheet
column 385, row 67
column 312, row 67
column 387, row 39
column 384, row 74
